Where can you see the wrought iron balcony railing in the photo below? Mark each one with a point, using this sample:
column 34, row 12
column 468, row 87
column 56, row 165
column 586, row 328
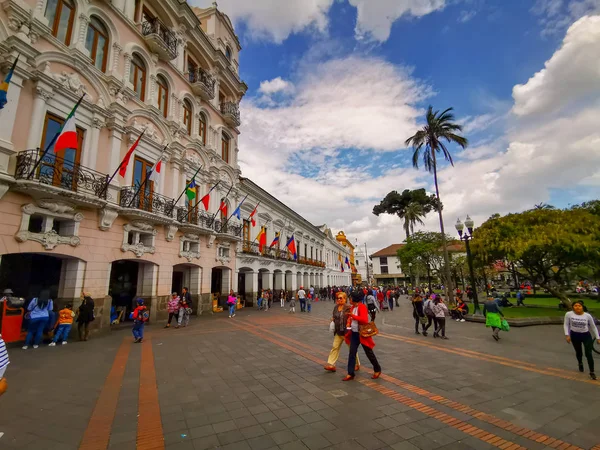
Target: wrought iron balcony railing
column 154, row 27
column 61, row 173
column 227, row 228
column 195, row 217
column 232, row 111
column 202, row 82
column 146, row 201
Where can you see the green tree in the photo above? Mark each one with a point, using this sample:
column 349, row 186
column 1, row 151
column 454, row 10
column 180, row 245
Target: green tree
column 423, row 252
column 438, row 131
column 410, row 206
column 546, row 244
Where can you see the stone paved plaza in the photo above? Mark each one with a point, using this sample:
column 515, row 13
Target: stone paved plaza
column 257, row 382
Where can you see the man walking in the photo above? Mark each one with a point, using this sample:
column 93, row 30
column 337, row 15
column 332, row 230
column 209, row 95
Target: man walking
column 302, row 298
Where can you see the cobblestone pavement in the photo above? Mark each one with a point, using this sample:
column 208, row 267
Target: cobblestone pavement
column 257, row 382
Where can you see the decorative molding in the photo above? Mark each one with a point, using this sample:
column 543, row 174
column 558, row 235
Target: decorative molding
column 49, row 240
column 106, row 218
column 170, row 231
column 211, row 240
column 189, row 246
column 70, row 81
column 138, row 249
column 139, row 225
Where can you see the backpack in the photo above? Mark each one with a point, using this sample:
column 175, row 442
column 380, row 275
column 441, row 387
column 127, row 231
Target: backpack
column 429, row 309
column 145, row 315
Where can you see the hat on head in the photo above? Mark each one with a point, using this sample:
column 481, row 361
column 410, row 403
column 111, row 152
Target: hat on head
column 140, row 301
column 357, row 297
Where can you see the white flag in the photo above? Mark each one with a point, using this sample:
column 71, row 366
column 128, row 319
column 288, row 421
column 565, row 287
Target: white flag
column 155, row 175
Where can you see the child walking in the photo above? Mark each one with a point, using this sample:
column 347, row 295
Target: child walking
column 173, row 308
column 140, row 316
column 65, row 321
column 293, row 305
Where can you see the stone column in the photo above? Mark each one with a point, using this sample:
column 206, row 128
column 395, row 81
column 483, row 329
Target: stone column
column 91, row 152
column 116, row 140
column 175, row 187
column 266, row 280
column 83, row 27
column 215, row 101
column 7, row 123
column 127, row 69
column 71, row 280
column 115, row 60
column 278, row 280
column 41, row 98
column 180, row 64
column 129, row 9
column 291, row 282
column 251, row 287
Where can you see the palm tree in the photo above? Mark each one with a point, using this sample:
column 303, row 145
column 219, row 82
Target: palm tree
column 438, row 131
column 412, row 215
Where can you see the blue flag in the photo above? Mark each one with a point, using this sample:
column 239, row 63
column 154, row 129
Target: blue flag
column 4, row 86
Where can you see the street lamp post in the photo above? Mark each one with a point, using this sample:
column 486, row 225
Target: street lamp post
column 410, row 273
column 467, row 237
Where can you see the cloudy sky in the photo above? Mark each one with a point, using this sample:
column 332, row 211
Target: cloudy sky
column 336, row 86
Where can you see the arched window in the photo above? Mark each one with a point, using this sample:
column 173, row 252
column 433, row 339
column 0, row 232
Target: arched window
column 225, row 147
column 187, row 116
column 228, row 53
column 202, row 128
column 163, row 95
column 60, row 15
column 137, row 76
column 96, row 42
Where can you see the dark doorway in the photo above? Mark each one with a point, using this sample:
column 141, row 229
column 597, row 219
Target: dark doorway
column 242, row 284
column 28, row 273
column 177, row 285
column 216, row 281
column 123, row 284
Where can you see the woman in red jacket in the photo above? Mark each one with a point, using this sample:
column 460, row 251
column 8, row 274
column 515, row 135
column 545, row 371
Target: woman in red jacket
column 359, row 316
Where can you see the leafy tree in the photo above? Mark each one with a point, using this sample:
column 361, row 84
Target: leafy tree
column 592, row 206
column 547, row 244
column 424, row 251
column 409, row 206
column 543, row 206
column 439, row 130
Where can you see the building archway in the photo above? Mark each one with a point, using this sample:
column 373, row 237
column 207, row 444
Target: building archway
column 189, row 276
column 130, row 279
column 299, row 280
column 220, row 284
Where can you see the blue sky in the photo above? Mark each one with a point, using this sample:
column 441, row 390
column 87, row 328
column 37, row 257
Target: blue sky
column 336, row 86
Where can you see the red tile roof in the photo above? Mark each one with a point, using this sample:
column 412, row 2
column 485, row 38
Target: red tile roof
column 388, row 251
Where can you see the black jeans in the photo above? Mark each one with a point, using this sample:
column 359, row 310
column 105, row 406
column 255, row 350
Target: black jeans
column 171, row 315
column 429, row 322
column 354, row 343
column 417, row 322
column 440, row 325
column 585, row 339
column 372, row 312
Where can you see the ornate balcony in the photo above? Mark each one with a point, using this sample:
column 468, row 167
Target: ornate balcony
column 61, row 174
column 203, row 83
column 149, row 202
column 196, row 217
column 227, row 229
column 231, row 113
column 160, row 39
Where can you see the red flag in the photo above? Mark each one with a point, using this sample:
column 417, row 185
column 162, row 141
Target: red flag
column 68, row 135
column 252, row 217
column 125, row 162
column 291, row 245
column 223, row 208
column 205, row 201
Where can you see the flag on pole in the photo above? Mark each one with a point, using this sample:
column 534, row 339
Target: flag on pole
column 67, row 137
column 275, row 241
column 155, row 173
column 125, row 162
column 190, row 192
column 238, row 211
column 291, row 246
column 347, row 262
column 262, row 239
column 4, row 86
column 223, row 207
column 252, row 216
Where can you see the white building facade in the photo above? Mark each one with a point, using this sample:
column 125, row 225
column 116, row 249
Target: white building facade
column 387, row 269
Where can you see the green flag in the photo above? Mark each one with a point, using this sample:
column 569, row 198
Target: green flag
column 191, row 190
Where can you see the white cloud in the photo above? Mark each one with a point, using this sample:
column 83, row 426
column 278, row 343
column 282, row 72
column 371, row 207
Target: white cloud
column 275, row 20
column 274, row 86
column 375, row 17
column 466, row 15
column 571, row 74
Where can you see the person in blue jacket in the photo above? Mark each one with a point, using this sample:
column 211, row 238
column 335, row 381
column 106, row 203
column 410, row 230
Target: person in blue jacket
column 39, row 312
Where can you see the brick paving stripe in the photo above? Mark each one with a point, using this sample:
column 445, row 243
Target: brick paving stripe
column 149, row 432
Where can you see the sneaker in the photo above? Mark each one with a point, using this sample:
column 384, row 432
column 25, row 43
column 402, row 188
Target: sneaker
column 592, row 375
column 35, row 346
column 230, row 316
column 233, row 315
column 458, row 320
column 64, row 343
column 168, row 326
column 462, row 320
column 424, row 333
column 445, row 338
column 52, row 344
column 25, row 347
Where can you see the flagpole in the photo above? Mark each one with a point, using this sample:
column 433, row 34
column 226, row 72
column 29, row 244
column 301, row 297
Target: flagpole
column 211, row 189
column 217, row 212
column 267, row 223
column 117, row 169
column 35, row 166
column 229, row 218
column 187, row 185
column 253, row 211
column 146, row 177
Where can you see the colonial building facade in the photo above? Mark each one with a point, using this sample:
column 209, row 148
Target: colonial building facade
column 155, row 69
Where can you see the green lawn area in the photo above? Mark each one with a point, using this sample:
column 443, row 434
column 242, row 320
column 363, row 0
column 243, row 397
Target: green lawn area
column 552, row 302
column 519, row 313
